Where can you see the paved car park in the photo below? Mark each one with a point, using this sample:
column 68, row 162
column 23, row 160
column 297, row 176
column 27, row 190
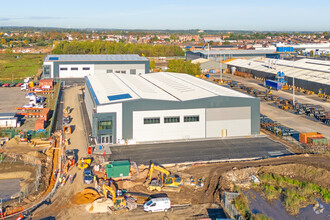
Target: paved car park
column 205, row 150
column 11, row 98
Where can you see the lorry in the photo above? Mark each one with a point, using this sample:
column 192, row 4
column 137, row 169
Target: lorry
column 157, row 205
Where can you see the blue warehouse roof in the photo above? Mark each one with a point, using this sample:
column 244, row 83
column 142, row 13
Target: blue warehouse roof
column 93, row 57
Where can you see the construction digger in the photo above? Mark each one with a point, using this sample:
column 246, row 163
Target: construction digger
column 119, row 202
column 165, row 182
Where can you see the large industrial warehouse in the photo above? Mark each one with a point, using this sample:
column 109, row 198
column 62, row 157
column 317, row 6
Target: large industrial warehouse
column 227, row 54
column 79, row 66
column 166, row 106
column 309, row 74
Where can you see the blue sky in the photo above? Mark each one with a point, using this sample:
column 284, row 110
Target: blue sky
column 279, row 15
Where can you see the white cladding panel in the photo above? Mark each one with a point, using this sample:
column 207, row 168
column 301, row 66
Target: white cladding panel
column 70, row 71
column 51, row 64
column 118, row 109
column 168, row 131
column 89, row 105
column 119, row 68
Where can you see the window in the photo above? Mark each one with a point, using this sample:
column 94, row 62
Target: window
column 172, row 119
column 151, row 120
column 46, row 70
column 63, row 68
column 123, row 71
column 109, row 71
column 104, row 125
column 74, row 68
column 86, row 68
column 132, row 71
column 117, row 71
column 191, row 118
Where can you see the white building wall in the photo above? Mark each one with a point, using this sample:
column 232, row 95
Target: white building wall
column 80, row 73
column 102, row 68
column 168, row 131
column 89, row 105
column 8, row 123
column 118, row 109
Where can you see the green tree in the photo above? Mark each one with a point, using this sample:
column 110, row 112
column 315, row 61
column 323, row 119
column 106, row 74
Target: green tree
column 26, row 42
column 152, row 64
column 227, row 43
column 8, row 51
column 311, row 53
column 181, row 66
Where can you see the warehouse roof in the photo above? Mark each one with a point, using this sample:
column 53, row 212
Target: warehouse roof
column 233, row 52
column 93, row 57
column 305, row 69
column 158, row 86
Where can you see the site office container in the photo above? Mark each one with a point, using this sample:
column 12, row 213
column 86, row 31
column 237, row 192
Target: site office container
column 274, row 84
column 304, row 136
column 317, row 141
column 40, row 124
column 46, row 82
column 44, row 114
column 118, row 169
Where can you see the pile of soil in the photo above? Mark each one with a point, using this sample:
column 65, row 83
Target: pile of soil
column 86, row 196
column 99, row 206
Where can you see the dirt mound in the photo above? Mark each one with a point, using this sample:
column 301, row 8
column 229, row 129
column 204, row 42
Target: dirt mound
column 86, row 196
column 100, row 206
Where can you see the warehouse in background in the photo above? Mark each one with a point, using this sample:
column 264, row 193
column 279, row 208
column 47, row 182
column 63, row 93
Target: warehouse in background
column 310, row 74
column 166, row 106
column 79, row 66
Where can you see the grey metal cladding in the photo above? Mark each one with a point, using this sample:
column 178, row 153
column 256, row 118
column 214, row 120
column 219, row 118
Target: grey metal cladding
column 217, row 114
column 213, row 102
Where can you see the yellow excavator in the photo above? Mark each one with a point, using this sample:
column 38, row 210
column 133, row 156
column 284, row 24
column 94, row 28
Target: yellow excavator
column 118, row 202
column 165, row 181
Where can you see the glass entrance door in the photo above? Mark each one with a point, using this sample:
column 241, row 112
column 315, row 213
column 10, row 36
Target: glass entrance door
column 105, row 139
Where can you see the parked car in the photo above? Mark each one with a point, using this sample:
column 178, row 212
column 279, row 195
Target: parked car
column 28, row 106
column 0, row 84
column 6, row 85
column 19, row 84
column 88, row 176
column 29, row 95
column 12, row 85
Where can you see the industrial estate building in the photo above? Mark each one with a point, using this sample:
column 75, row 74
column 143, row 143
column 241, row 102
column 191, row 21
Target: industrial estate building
column 227, row 54
column 79, row 66
column 166, row 106
column 309, row 74
column 8, row 120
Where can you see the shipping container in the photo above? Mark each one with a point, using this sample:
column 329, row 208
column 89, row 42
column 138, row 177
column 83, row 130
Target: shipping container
column 44, row 115
column 317, row 141
column 46, row 83
column 304, row 136
column 274, row 84
column 40, row 124
column 284, row 49
column 118, row 169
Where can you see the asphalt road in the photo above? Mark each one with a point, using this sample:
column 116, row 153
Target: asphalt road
column 194, row 151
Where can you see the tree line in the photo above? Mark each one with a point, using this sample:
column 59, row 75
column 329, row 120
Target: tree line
column 105, row 47
column 181, row 66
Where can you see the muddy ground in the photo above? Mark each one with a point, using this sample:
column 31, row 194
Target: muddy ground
column 218, row 177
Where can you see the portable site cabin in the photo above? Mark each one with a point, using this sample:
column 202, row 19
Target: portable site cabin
column 118, row 169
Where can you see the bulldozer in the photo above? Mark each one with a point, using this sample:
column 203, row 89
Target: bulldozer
column 165, row 182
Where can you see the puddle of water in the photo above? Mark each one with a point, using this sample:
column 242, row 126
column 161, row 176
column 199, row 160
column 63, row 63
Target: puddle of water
column 9, row 187
column 276, row 210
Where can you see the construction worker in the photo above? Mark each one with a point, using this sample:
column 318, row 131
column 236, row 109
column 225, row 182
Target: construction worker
column 60, row 180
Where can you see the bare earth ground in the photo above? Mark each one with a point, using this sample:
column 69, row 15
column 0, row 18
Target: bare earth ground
column 217, row 178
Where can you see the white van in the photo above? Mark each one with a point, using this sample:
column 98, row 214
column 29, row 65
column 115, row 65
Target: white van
column 157, row 205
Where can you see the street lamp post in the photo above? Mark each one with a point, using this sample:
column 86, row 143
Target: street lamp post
column 293, row 98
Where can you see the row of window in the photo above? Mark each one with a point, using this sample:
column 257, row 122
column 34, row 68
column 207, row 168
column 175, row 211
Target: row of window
column 131, row 71
column 174, row 119
column 74, row 68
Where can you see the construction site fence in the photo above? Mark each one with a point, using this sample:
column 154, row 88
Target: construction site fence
column 27, row 190
column 55, row 114
column 227, row 202
column 11, row 133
